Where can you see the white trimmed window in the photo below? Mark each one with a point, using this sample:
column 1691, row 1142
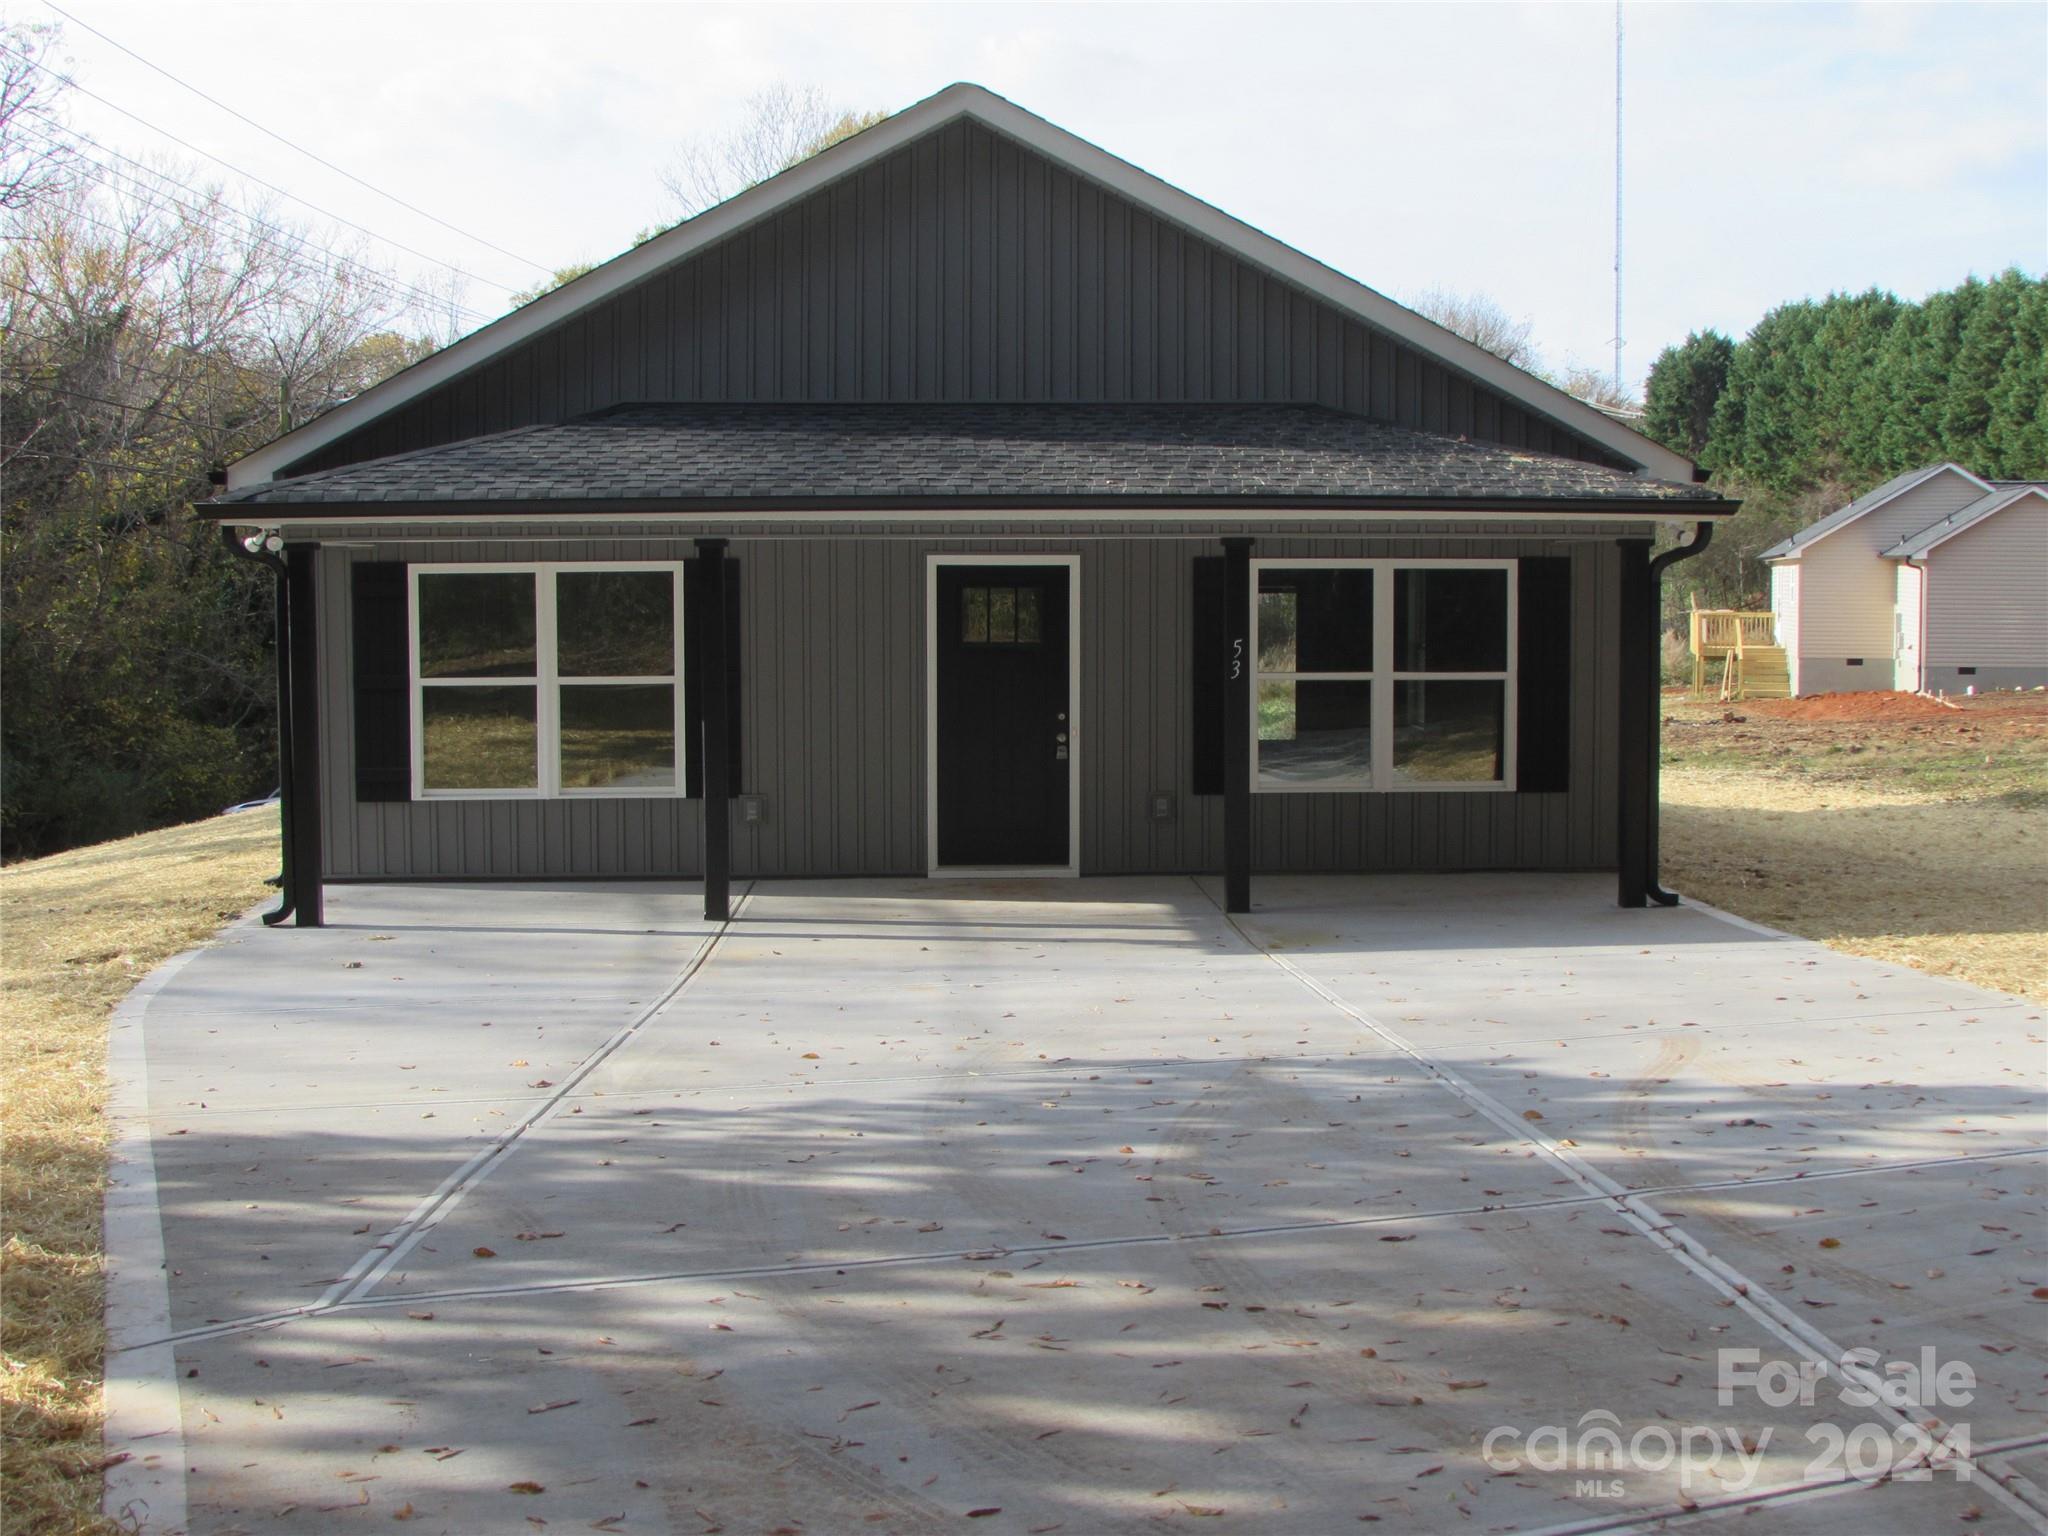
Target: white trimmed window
column 1383, row 675
column 546, row 680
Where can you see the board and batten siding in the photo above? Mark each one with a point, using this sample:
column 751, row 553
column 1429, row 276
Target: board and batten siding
column 833, row 723
column 963, row 267
column 1987, row 592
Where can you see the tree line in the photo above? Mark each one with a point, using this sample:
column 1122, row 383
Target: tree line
column 1826, row 398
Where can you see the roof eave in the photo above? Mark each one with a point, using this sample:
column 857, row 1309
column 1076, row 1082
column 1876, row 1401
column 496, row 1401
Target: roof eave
column 826, row 509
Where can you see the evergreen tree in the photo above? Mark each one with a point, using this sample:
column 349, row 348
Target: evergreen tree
column 1685, row 384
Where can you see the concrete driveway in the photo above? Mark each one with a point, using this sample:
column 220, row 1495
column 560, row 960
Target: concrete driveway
column 1073, row 1206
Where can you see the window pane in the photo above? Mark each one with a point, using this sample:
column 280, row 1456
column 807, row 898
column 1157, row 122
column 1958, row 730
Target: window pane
column 615, row 623
column 1002, row 615
column 1311, row 732
column 1451, row 620
column 1449, row 733
column 619, row 737
column 1315, row 619
column 479, row 738
column 1027, row 616
column 476, row 624
column 974, row 615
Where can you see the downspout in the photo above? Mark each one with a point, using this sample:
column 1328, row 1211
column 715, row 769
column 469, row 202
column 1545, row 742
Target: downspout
column 1703, row 535
column 257, row 551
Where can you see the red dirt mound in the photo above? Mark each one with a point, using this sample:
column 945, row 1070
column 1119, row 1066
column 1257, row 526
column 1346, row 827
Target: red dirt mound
column 1850, row 706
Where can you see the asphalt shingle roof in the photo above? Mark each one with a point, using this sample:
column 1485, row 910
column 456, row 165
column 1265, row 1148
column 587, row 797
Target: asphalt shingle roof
column 850, row 455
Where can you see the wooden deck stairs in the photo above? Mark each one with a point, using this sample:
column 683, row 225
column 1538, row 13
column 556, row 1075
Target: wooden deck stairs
column 1753, row 664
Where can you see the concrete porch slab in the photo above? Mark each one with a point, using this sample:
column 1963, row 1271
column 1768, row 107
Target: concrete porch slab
column 1075, row 1200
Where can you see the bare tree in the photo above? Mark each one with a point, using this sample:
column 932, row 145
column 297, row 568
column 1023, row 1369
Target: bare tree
column 1596, row 387
column 35, row 161
column 782, row 127
column 1480, row 321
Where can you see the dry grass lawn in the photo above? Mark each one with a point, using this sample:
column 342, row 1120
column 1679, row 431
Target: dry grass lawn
column 77, row 930
column 1920, row 838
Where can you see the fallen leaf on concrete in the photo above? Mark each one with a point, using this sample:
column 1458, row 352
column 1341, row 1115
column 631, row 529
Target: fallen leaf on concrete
column 485, row 1253
column 525, row 1487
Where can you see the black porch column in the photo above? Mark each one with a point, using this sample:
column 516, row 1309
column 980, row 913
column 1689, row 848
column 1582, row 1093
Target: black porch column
column 1636, row 732
column 303, row 866
column 714, row 690
column 1237, row 725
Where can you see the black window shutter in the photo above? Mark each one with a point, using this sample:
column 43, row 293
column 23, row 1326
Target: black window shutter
column 693, row 698
column 1543, row 689
column 382, row 646
column 1208, row 704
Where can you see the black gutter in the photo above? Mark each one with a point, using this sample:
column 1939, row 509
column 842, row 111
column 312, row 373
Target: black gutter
column 1703, row 535
column 285, row 789
column 944, row 508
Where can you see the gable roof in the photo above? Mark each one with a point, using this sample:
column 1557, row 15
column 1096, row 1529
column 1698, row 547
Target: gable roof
column 910, row 456
column 2006, row 494
column 1869, row 501
column 1065, row 149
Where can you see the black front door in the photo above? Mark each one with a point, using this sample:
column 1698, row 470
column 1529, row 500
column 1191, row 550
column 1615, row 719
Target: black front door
column 1005, row 732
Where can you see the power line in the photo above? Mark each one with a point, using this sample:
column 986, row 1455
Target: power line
column 247, row 175
column 289, row 144
column 198, row 212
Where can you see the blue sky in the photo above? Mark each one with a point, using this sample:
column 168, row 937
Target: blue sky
column 1772, row 151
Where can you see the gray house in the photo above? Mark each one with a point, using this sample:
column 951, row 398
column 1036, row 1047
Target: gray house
column 964, row 500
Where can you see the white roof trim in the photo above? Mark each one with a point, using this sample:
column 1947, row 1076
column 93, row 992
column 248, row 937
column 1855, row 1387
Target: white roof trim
column 1793, row 550
column 1906, row 548
column 962, row 100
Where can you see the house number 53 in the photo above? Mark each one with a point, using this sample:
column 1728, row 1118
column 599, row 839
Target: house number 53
column 1236, row 659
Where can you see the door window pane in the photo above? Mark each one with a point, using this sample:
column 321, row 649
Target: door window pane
column 1449, row 732
column 618, row 736
column 479, row 738
column 477, row 624
column 1450, row 620
column 1001, row 616
column 1027, row 616
column 615, row 624
column 1315, row 620
column 1314, row 732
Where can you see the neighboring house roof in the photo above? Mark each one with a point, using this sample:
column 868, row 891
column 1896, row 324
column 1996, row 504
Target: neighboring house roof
column 2007, row 493
column 1869, row 501
column 680, row 457
column 850, row 155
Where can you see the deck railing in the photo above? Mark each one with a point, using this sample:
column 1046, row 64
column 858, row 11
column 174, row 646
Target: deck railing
column 1717, row 631
column 1723, row 634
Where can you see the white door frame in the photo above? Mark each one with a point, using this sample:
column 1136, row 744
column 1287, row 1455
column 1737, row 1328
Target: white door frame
column 931, row 719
